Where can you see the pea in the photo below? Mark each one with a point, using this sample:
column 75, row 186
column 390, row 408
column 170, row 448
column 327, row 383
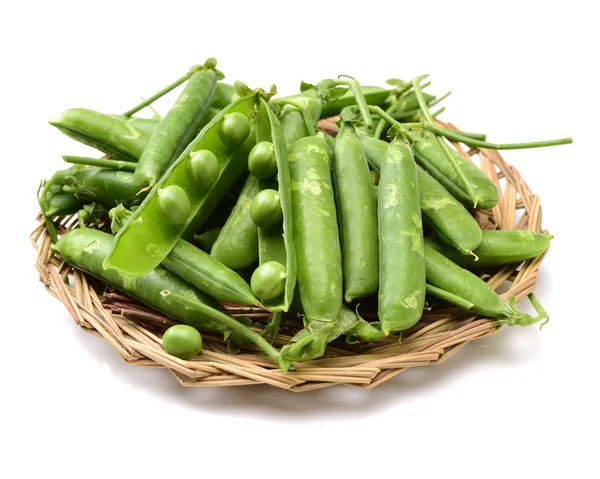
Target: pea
column 204, row 168
column 235, row 128
column 261, row 161
column 265, row 209
column 182, row 341
column 268, row 280
column 174, row 204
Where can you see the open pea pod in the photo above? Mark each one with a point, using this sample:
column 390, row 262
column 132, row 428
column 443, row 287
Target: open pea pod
column 187, row 193
column 275, row 243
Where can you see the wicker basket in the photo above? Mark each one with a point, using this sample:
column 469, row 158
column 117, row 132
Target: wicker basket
column 135, row 331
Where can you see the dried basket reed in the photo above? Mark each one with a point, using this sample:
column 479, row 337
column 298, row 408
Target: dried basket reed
column 135, row 331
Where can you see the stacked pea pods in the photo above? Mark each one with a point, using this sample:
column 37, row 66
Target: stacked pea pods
column 237, row 196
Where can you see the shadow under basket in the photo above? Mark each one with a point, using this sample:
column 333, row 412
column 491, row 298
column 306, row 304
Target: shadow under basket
column 135, row 331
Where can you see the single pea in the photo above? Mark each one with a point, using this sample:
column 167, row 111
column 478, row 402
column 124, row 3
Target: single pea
column 265, row 209
column 174, row 204
column 234, row 130
column 182, row 341
column 268, row 280
column 203, row 166
column 261, row 160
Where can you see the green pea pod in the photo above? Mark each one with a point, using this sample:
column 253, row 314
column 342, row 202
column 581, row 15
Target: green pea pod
column 147, row 125
column 224, row 95
column 374, row 95
column 409, row 101
column 440, row 209
column 447, row 216
column 293, row 124
column 208, row 275
column 156, row 226
column 401, row 257
column 310, row 342
column 498, row 248
column 357, row 209
column 61, row 203
column 107, row 133
column 461, row 287
column 86, row 249
column 276, row 242
column 430, row 156
column 207, row 239
column 315, row 229
column 237, row 243
column 180, row 125
column 106, row 186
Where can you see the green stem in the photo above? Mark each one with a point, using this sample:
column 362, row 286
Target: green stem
column 101, row 162
column 161, row 93
column 429, row 121
column 438, row 112
column 308, row 120
column 382, row 114
column 475, row 136
column 447, row 296
column 458, row 137
column 515, row 317
column 235, row 326
column 412, row 113
column 354, row 87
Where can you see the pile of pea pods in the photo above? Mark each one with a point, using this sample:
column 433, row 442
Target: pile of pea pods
column 237, row 196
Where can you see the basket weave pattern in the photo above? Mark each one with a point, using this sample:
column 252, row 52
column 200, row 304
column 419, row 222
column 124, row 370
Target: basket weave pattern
column 135, row 331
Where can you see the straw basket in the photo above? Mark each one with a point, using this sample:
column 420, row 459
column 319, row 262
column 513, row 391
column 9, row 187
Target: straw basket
column 135, row 331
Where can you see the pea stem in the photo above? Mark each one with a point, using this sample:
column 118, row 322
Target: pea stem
column 515, row 317
column 162, row 92
column 461, row 138
column 233, row 325
column 101, row 162
column 447, row 296
column 361, row 102
column 429, row 121
column 412, row 113
column 308, row 120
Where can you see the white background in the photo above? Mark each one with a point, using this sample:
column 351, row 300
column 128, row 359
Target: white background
column 518, row 404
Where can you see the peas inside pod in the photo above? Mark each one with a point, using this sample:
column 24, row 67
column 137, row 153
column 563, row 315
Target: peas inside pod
column 174, row 204
column 268, row 280
column 203, row 167
column 261, row 161
column 235, row 128
column 266, row 209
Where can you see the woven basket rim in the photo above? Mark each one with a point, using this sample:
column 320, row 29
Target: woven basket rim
column 134, row 331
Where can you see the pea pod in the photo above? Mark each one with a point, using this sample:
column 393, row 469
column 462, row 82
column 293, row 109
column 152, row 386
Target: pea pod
column 315, row 229
column 86, row 249
column 401, row 257
column 147, row 125
column 462, row 288
column 106, row 186
column 357, row 209
column 61, row 203
column 498, row 248
column 208, row 275
column 440, row 209
column 373, row 95
column 224, row 95
column 207, row 239
column 293, row 124
column 107, row 133
column 310, row 342
column 276, row 241
column 148, row 236
column 180, row 125
column 430, row 156
column 237, row 243
column 447, row 216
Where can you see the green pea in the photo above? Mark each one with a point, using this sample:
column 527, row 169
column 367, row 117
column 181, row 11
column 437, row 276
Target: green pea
column 182, row 341
column 235, row 128
column 174, row 204
column 268, row 280
column 204, row 168
column 261, row 161
column 265, row 209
